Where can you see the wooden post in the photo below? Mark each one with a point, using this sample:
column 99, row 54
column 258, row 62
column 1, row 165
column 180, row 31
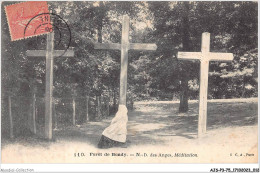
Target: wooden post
column 50, row 53
column 87, row 103
column 204, row 70
column 10, row 117
column 124, row 47
column 49, row 85
column 33, row 114
column 124, row 60
column 74, row 112
column 204, row 56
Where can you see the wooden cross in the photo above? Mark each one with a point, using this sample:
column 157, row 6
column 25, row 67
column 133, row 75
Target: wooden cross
column 204, row 56
column 49, row 53
column 125, row 46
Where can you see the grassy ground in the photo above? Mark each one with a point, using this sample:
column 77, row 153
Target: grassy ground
column 157, row 133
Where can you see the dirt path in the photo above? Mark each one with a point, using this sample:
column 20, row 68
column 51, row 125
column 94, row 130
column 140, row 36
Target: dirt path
column 156, row 134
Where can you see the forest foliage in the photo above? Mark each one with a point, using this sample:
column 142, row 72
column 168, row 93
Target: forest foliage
column 154, row 75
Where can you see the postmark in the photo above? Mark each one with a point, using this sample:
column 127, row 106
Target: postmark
column 50, row 22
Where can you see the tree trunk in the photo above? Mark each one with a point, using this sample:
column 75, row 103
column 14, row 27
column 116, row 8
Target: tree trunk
column 99, row 33
column 108, row 101
column 98, row 108
column 87, row 104
column 101, row 15
column 11, row 117
column 184, row 96
column 55, row 116
column 185, row 73
column 74, row 112
column 114, row 94
column 244, row 88
column 33, row 114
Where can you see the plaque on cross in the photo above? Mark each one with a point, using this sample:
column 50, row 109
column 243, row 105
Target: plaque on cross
column 49, row 53
column 124, row 47
column 204, row 56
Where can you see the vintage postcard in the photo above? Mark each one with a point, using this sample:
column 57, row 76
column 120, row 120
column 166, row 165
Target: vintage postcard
column 129, row 82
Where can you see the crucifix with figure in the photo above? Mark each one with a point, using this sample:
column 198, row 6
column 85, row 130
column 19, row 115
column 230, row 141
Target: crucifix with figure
column 116, row 132
column 204, row 56
column 50, row 54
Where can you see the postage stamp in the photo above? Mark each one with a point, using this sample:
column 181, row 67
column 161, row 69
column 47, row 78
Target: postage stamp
column 18, row 15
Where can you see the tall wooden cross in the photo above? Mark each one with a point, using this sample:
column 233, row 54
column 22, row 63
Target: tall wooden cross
column 49, row 53
column 204, row 56
column 125, row 46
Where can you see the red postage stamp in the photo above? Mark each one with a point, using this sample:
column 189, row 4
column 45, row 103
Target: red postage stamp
column 20, row 15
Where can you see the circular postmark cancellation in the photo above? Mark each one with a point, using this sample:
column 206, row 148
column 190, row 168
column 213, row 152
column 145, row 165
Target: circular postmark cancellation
column 46, row 23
